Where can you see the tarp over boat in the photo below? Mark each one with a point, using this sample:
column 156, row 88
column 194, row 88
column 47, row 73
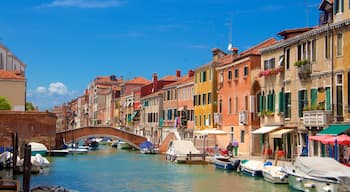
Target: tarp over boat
column 321, row 167
column 182, row 148
column 146, row 145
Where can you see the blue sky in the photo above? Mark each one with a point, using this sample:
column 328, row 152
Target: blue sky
column 66, row 43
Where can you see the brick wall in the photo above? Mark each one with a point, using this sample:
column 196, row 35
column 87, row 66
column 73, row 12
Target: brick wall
column 30, row 126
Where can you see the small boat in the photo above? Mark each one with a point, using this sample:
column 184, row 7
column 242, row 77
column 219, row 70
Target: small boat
column 226, row 163
column 123, row 145
column 57, row 152
column 318, row 174
column 77, row 150
column 37, row 162
column 148, row 148
column 38, row 148
column 9, row 185
column 252, row 167
column 274, row 174
column 5, row 159
column 184, row 152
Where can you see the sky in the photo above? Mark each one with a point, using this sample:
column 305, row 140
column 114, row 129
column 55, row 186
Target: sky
column 65, row 44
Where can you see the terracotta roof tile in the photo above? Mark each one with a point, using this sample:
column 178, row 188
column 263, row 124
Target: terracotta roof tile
column 138, row 80
column 169, row 78
column 11, row 75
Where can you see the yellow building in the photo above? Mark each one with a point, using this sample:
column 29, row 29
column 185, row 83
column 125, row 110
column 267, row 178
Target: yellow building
column 205, row 93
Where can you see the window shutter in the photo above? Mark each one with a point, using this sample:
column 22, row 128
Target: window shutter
column 342, row 6
column 335, row 6
column 328, row 98
column 300, row 104
column 313, row 97
column 280, row 101
column 273, row 101
column 261, row 103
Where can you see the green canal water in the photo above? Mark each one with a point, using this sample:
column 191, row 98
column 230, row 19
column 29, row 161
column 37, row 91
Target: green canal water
column 110, row 169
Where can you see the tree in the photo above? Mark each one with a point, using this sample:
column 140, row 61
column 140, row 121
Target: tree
column 4, row 103
column 29, row 106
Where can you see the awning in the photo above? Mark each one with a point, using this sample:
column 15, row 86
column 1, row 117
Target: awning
column 266, row 129
column 335, row 129
column 211, row 132
column 279, row 133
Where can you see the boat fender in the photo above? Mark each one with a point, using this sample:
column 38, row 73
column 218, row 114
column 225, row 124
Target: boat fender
column 309, row 185
column 327, row 189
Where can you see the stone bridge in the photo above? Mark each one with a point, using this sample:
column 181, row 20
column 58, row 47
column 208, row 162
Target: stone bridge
column 71, row 135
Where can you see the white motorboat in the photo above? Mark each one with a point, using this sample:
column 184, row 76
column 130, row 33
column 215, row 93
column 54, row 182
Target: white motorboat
column 184, row 152
column 77, row 150
column 319, row 174
column 37, row 162
column 274, row 174
column 38, row 148
column 252, row 167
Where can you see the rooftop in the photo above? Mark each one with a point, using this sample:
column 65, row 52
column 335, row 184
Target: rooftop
column 11, row 75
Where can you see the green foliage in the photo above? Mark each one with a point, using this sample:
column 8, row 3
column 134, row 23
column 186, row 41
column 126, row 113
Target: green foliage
column 29, row 106
column 266, row 113
column 301, row 63
column 314, row 107
column 4, row 103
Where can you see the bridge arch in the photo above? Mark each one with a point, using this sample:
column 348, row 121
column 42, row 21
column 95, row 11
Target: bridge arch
column 85, row 132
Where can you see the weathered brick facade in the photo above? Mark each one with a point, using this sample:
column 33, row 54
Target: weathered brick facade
column 30, row 126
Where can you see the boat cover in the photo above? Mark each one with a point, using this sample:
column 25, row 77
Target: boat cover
column 322, row 167
column 146, row 145
column 182, row 148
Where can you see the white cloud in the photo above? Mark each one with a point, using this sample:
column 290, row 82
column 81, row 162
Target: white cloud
column 41, row 89
column 58, row 88
column 55, row 93
column 85, row 4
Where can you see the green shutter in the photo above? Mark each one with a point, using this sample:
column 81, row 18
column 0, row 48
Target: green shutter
column 335, row 6
column 313, row 97
column 273, row 101
column 264, row 102
column 328, row 98
column 280, row 101
column 261, row 103
column 342, row 6
column 300, row 104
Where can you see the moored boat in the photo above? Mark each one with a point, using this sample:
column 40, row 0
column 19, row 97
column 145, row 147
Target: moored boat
column 226, row 163
column 123, row 145
column 57, row 152
column 38, row 148
column 252, row 167
column 184, row 152
column 274, row 174
column 319, row 174
column 148, row 148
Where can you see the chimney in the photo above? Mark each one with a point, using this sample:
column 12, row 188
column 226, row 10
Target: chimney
column 190, row 73
column 217, row 54
column 178, row 73
column 234, row 51
column 155, row 82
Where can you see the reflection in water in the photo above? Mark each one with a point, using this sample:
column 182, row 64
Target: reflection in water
column 109, row 169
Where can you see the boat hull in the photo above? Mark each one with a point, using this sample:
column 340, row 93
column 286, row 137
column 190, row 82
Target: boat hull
column 308, row 184
column 225, row 163
column 272, row 175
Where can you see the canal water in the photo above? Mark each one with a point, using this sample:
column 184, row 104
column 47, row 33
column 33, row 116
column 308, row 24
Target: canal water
column 110, row 169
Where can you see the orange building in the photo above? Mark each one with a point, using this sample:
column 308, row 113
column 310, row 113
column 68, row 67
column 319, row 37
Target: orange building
column 237, row 97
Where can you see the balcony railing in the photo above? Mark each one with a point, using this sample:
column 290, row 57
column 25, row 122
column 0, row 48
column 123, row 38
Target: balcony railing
column 316, row 118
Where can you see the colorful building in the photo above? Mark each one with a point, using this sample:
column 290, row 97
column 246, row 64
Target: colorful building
column 237, row 92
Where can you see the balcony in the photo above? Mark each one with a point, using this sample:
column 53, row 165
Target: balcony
column 319, row 118
column 304, row 69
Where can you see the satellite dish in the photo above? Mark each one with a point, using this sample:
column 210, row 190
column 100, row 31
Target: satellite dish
column 229, row 48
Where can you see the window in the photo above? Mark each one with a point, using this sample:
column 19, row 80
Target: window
column 299, row 52
column 194, row 100
column 236, row 73
column 220, row 106
column 175, row 113
column 338, row 6
column 287, row 58
column 229, row 106
column 339, row 44
column 204, row 76
column 246, row 103
column 204, row 120
column 245, row 71
column 229, row 75
column 242, row 136
column 204, row 99
column 199, row 99
column 288, row 105
column 168, row 95
column 327, row 47
column 302, row 101
column 235, row 104
column 313, row 50
column 209, row 119
column 200, row 120
column 209, row 98
column 221, row 77
column 269, row 63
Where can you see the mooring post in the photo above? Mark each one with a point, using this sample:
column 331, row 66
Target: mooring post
column 15, row 153
column 27, row 167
